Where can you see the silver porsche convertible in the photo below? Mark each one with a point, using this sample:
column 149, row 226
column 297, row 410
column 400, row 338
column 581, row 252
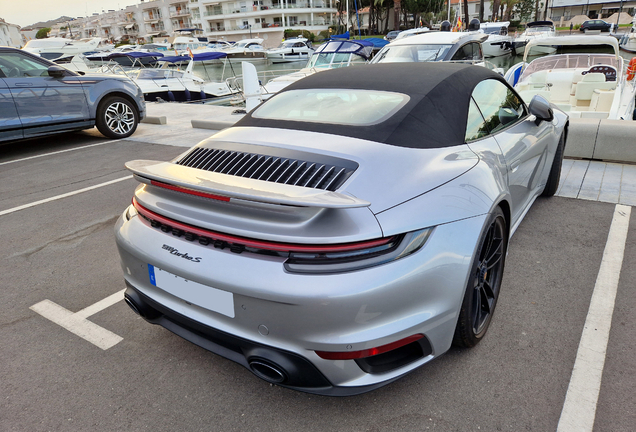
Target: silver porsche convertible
column 346, row 231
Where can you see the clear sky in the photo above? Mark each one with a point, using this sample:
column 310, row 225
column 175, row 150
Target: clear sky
column 27, row 12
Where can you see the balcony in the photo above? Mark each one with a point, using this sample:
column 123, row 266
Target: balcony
column 180, row 12
column 152, row 15
column 181, row 25
column 155, row 29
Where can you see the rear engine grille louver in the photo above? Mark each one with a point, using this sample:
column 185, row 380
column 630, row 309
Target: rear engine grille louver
column 276, row 169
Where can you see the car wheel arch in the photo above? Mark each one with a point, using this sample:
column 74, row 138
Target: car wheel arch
column 119, row 94
column 505, row 208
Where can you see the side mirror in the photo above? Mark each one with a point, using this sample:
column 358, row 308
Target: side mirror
column 540, row 108
column 56, row 71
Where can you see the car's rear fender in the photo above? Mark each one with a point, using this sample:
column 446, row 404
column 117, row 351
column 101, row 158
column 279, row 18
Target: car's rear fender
column 477, row 192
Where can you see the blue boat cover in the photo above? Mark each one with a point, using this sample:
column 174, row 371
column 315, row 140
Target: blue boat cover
column 135, row 54
column 359, row 47
column 174, row 59
column 377, row 42
column 197, row 57
column 341, row 36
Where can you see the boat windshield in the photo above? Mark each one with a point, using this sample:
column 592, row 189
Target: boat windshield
column 538, row 30
column 569, row 61
column 185, row 46
column 334, row 60
column 496, row 30
column 412, row 53
column 536, row 50
column 154, row 74
column 353, row 107
column 291, row 44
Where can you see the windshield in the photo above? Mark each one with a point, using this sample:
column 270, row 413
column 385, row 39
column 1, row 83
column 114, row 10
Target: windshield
column 412, row 53
column 333, row 106
column 333, row 60
column 153, row 74
column 537, row 50
column 569, row 61
column 537, row 30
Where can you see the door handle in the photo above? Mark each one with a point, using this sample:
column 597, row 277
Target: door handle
column 24, row 84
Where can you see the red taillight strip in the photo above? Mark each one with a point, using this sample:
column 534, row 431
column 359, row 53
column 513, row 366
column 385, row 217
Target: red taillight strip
column 351, row 355
column 258, row 244
column 189, row 191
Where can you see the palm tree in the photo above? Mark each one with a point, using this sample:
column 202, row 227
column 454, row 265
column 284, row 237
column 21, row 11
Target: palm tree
column 495, row 9
column 509, row 6
column 397, row 8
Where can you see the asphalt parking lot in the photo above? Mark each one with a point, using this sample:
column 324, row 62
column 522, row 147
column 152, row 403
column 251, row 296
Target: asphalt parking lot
column 58, row 246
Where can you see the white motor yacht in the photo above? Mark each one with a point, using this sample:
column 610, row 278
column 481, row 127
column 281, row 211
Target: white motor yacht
column 246, row 50
column 182, row 44
column 52, row 48
column 243, row 50
column 291, row 50
column 175, row 85
column 412, row 32
column 534, row 30
column 330, row 55
column 499, row 42
column 586, row 77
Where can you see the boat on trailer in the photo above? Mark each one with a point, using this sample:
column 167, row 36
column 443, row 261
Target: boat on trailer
column 585, row 77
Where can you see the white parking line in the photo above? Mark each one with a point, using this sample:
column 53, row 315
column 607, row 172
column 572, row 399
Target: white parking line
column 57, row 197
column 579, row 409
column 57, row 152
column 77, row 323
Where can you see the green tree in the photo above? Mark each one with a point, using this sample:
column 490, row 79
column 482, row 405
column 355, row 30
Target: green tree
column 42, row 33
column 524, row 9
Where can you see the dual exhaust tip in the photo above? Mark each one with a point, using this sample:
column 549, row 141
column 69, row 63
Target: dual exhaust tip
column 264, row 369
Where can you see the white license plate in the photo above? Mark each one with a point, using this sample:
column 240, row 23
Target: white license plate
column 201, row 295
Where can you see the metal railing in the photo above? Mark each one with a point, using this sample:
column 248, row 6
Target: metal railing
column 185, row 11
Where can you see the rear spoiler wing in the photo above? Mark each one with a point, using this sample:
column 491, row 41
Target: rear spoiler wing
column 190, row 180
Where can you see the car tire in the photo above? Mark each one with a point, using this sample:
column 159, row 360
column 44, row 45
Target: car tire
column 484, row 283
column 555, row 170
column 117, row 117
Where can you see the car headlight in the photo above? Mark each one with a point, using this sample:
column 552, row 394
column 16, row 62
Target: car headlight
column 335, row 261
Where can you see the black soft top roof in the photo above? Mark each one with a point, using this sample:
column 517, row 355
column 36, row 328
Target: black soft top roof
column 434, row 117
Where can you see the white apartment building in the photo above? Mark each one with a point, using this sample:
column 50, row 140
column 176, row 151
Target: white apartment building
column 566, row 9
column 215, row 19
column 10, row 35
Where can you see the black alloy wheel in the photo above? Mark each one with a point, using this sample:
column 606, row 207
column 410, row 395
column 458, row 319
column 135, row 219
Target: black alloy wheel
column 484, row 283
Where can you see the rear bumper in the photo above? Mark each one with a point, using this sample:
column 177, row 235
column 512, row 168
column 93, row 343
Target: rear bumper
column 296, row 372
column 283, row 318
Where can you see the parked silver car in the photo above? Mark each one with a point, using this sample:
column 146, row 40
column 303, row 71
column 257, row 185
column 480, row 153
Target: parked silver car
column 349, row 229
column 38, row 97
